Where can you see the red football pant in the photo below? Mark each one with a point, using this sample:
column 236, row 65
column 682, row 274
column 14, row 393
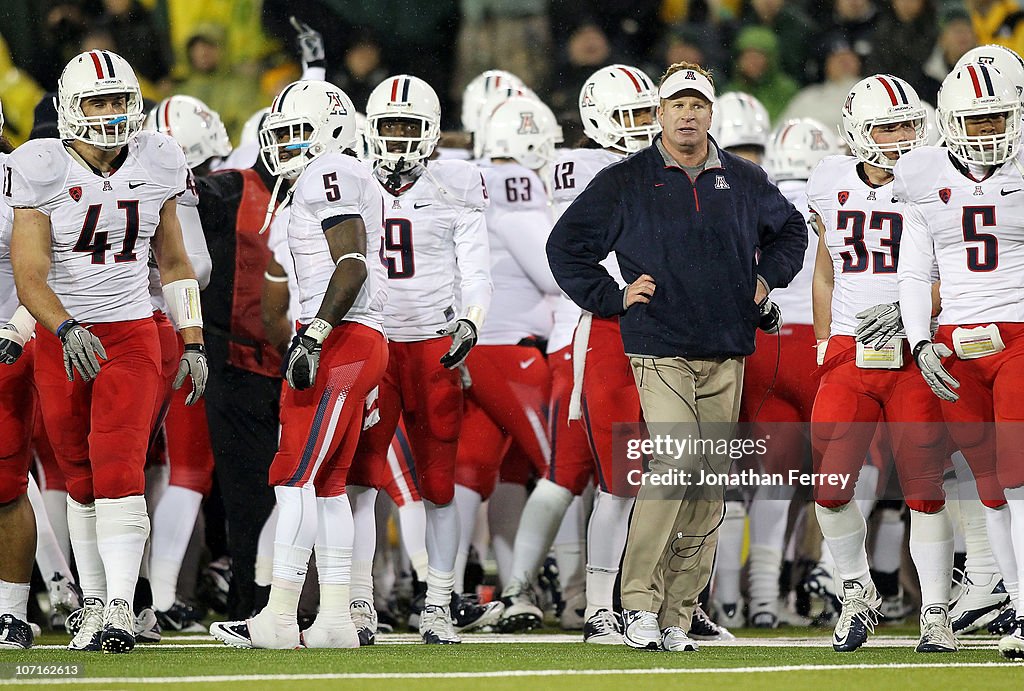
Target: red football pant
column 17, row 418
column 100, row 430
column 849, row 404
column 779, row 387
column 610, row 399
column 990, row 392
column 511, row 388
column 572, row 461
column 48, row 472
column 188, row 439
column 320, row 426
column 417, row 389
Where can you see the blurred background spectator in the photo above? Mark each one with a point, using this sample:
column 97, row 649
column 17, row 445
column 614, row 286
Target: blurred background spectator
column 587, row 51
column 792, row 26
column 910, row 32
column 757, row 71
column 956, row 38
column 359, row 69
column 824, row 101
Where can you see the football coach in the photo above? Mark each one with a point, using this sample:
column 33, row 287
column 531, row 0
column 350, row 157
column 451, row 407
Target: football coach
column 702, row 237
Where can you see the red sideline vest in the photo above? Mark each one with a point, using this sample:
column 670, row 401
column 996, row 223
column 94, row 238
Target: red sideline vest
column 248, row 348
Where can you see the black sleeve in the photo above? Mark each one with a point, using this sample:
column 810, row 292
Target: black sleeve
column 218, row 195
column 783, row 236
column 581, row 238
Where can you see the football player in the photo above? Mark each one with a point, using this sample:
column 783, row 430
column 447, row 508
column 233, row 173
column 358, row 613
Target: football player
column 864, row 373
column 741, row 126
column 337, row 357
column 88, row 208
column 964, row 215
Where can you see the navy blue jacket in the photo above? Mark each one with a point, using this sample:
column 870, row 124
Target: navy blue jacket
column 703, row 241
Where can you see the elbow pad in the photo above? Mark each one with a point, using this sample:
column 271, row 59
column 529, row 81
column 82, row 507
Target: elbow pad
column 183, row 303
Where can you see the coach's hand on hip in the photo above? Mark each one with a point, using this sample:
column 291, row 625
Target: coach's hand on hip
column 640, row 290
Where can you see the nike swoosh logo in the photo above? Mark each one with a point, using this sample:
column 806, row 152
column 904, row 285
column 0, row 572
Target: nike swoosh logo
column 1006, row 192
column 420, row 205
column 526, row 363
column 133, row 185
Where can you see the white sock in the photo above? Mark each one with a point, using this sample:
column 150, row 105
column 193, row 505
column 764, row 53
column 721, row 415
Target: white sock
column 82, row 526
column 468, row 502
column 122, row 528
column 56, row 503
column 173, row 522
column 504, row 509
column 980, row 561
column 1015, row 504
column 768, row 517
column 887, row 553
column 442, row 548
column 333, row 564
column 296, row 532
column 865, row 492
column 364, row 522
column 49, row 555
column 844, row 531
column 729, row 557
column 412, row 521
column 538, row 526
column 999, row 531
column 264, row 567
column 950, row 489
column 931, row 547
column 14, row 599
column 570, row 549
column 606, row 538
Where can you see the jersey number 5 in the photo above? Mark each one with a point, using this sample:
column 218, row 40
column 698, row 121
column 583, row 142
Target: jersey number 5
column 986, row 257
column 96, row 242
column 396, row 250
column 882, row 262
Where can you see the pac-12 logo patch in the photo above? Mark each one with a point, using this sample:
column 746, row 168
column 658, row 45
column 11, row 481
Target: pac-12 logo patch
column 843, row 196
column 944, row 194
column 75, row 193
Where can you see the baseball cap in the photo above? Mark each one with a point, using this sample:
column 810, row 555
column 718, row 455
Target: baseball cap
column 684, row 80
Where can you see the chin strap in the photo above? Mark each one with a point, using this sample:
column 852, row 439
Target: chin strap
column 272, row 206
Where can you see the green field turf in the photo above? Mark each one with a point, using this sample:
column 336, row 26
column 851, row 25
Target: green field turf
column 793, row 659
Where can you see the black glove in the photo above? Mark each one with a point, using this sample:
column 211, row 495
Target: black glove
column 11, row 344
column 193, row 363
column 771, row 317
column 81, row 349
column 463, row 333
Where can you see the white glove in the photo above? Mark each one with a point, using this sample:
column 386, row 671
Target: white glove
column 820, row 348
column 303, row 356
column 879, row 324
column 193, row 363
column 81, row 349
column 929, row 360
column 463, row 334
column 311, row 43
column 11, row 344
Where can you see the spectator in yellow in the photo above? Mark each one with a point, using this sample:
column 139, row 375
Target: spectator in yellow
column 19, row 94
column 998, row 21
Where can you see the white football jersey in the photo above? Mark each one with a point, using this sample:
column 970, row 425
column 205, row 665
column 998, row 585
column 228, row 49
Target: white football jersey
column 435, row 250
column 102, row 225
column 572, row 172
column 518, row 225
column 795, row 299
column 972, row 229
column 863, row 225
column 333, row 185
column 277, row 243
column 8, row 293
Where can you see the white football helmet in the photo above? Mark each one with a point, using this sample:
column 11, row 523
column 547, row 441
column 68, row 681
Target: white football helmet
column 493, row 100
column 796, row 147
column 881, row 99
column 979, row 90
column 477, row 91
column 609, row 100
column 251, row 128
column 1002, row 58
column 362, row 145
column 739, row 119
column 316, row 117
column 98, row 73
column 524, row 129
column 408, row 98
column 190, row 122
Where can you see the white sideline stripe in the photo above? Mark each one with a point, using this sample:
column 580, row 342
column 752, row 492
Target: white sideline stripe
column 496, row 675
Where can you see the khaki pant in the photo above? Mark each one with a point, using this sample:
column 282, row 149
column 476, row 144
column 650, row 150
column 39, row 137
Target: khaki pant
column 670, row 548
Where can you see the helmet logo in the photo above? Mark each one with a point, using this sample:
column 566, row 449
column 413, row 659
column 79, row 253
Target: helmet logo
column 819, row 143
column 588, row 96
column 527, row 124
column 849, row 103
column 334, row 101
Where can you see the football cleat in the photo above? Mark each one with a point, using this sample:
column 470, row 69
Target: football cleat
column 65, row 598
column 820, row 582
column 702, row 628
column 763, row 614
column 674, row 639
column 15, row 633
column 88, row 625
column 1004, row 623
column 147, row 626
column 334, row 632
column 215, row 584
column 233, row 633
column 729, row 614
column 857, row 618
column 265, row 630
column 521, row 610
column 467, row 615
column 181, row 618
column 894, row 610
column 436, row 626
column 604, row 627
column 978, row 604
column 571, row 617
column 364, row 617
column 118, row 627
column 936, row 632
column 641, row 629
column 1011, row 646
